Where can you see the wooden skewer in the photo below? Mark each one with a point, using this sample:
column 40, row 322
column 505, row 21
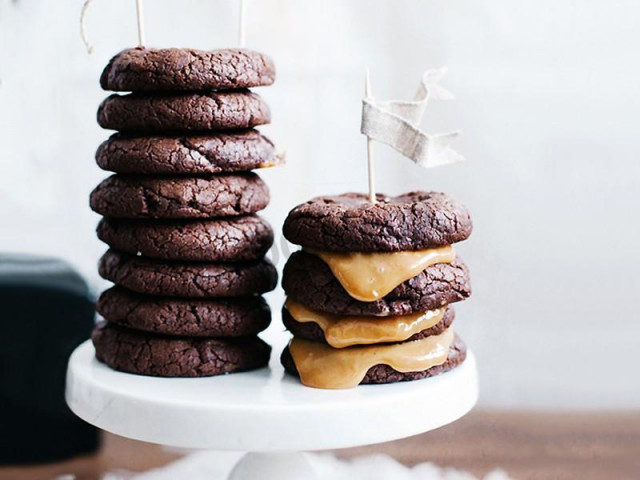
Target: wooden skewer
column 370, row 170
column 140, row 15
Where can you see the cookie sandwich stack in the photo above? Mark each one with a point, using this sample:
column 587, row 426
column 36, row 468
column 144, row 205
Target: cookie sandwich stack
column 186, row 247
column 369, row 295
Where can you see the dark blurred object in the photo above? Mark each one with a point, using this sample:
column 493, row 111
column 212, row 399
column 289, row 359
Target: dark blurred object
column 45, row 312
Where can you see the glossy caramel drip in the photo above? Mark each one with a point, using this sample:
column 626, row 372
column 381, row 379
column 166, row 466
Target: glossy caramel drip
column 322, row 366
column 344, row 331
column 370, row 276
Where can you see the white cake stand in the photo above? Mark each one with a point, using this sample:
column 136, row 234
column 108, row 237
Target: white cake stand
column 265, row 411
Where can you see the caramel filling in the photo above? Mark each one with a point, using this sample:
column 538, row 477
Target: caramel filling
column 345, row 331
column 322, row 366
column 370, row 276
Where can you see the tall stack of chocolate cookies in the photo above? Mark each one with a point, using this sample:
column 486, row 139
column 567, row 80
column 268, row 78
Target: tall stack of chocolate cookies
column 186, row 246
column 369, row 295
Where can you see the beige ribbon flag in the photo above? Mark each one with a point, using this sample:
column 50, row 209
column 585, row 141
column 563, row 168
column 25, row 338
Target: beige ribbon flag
column 396, row 123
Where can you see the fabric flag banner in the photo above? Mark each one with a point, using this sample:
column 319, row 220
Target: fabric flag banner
column 396, row 123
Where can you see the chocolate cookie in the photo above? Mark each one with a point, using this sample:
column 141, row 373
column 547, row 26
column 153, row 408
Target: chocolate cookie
column 385, row 374
column 309, row 280
column 194, row 154
column 349, row 223
column 224, row 195
column 221, row 240
column 183, row 111
column 161, row 356
column 311, row 331
column 188, row 279
column 156, row 69
column 236, row 317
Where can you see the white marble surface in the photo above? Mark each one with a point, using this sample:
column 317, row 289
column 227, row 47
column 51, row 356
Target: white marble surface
column 263, row 410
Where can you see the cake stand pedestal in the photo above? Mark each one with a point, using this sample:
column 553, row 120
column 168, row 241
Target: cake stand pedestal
column 264, row 412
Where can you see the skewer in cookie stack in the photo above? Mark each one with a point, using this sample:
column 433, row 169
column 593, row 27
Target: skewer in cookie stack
column 369, row 295
column 186, row 246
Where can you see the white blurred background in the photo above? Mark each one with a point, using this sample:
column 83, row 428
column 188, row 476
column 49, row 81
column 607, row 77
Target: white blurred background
column 548, row 99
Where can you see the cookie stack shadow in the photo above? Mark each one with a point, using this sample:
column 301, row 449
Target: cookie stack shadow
column 186, row 246
column 369, row 295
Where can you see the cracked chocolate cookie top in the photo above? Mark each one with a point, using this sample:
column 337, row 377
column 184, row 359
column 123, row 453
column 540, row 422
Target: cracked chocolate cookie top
column 183, row 111
column 224, row 195
column 309, row 280
column 192, row 154
column 235, row 317
column 349, row 223
column 188, row 279
column 237, row 239
column 163, row 356
column 161, row 69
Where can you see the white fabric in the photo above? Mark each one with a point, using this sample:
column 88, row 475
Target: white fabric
column 397, row 123
column 206, row 465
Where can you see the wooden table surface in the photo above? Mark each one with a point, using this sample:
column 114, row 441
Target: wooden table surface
column 536, row 446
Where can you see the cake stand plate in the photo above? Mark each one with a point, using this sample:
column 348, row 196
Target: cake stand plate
column 263, row 411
